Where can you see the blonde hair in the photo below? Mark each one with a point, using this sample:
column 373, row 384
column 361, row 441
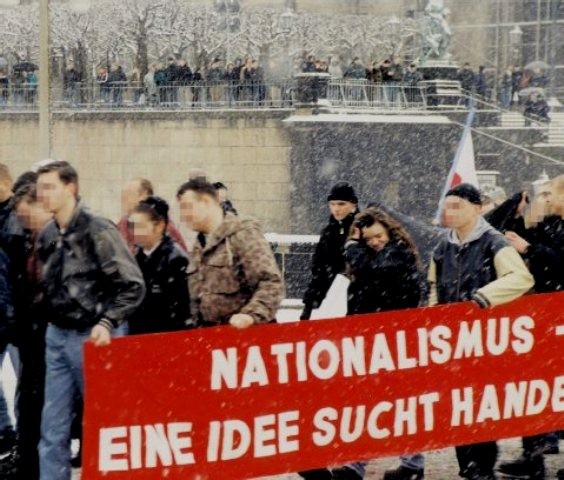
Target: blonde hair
column 557, row 184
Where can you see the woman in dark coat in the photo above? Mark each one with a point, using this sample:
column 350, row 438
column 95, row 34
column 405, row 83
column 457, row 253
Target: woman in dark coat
column 383, row 265
column 166, row 306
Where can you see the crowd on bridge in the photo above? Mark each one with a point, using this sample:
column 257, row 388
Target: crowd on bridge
column 69, row 276
column 175, row 83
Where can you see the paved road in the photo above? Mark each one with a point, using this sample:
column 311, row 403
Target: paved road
column 441, row 464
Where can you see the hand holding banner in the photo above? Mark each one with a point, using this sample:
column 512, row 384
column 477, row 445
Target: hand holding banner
column 223, row 403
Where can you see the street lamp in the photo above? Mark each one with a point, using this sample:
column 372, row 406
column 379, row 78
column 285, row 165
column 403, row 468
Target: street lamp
column 45, row 112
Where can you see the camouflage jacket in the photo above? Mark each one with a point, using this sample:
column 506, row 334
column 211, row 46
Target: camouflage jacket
column 234, row 273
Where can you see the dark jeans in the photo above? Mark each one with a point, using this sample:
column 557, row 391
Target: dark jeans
column 482, row 455
column 319, row 474
column 64, row 382
column 30, row 401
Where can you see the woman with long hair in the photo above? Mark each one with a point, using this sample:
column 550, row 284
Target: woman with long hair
column 384, row 268
column 382, row 263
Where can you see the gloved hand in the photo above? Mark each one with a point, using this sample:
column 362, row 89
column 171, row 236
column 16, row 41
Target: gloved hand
column 306, row 313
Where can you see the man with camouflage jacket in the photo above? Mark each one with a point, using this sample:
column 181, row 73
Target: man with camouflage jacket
column 232, row 276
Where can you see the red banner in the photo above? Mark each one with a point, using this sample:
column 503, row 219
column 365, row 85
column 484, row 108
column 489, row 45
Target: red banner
column 224, row 403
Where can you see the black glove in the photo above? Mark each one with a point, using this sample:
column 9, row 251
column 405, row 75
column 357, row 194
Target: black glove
column 306, row 313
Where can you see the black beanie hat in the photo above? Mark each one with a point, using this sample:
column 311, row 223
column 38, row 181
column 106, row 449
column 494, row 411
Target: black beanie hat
column 467, row 192
column 342, row 191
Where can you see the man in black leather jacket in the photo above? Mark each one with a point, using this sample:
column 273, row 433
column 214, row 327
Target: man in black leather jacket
column 91, row 285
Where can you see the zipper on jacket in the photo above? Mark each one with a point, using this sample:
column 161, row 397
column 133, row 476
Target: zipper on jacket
column 458, row 262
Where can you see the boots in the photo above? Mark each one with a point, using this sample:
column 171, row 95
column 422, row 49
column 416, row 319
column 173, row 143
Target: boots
column 473, row 472
column 404, row 473
column 345, row 473
column 526, row 467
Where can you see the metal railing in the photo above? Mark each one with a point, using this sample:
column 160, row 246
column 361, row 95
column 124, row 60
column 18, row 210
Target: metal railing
column 22, row 96
column 216, row 95
column 364, row 94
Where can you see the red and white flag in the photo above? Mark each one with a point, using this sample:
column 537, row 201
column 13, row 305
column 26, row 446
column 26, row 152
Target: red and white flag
column 463, row 169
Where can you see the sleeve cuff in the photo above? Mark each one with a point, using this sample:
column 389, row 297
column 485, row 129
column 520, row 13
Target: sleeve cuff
column 107, row 323
column 481, row 300
column 351, row 241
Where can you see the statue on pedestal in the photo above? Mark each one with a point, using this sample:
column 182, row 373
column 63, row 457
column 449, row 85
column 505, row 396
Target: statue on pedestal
column 436, row 33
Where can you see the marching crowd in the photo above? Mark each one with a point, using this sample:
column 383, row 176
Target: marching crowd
column 69, row 276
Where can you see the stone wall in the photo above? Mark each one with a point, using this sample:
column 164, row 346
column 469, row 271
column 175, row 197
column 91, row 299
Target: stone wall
column 249, row 153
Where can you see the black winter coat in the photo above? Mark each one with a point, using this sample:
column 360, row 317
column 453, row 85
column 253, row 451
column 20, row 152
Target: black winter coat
column 6, row 308
column 381, row 281
column 117, row 76
column 328, row 260
column 545, row 256
column 184, row 75
column 13, row 242
column 166, row 306
column 503, row 217
column 467, row 79
column 88, row 274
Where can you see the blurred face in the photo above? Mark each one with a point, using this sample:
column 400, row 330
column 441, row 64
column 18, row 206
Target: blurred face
column 195, row 210
column 146, row 232
column 459, row 213
column 130, row 197
column 376, row 236
column 557, row 202
column 52, row 193
column 32, row 215
column 340, row 209
column 542, row 203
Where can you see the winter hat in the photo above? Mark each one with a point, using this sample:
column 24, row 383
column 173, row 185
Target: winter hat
column 342, row 191
column 467, row 192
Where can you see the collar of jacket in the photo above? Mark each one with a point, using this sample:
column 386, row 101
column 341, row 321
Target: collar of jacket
column 165, row 244
column 479, row 229
column 231, row 224
column 345, row 222
column 75, row 222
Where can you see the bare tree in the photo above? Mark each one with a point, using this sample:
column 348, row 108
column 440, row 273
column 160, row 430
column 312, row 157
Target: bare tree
column 136, row 32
